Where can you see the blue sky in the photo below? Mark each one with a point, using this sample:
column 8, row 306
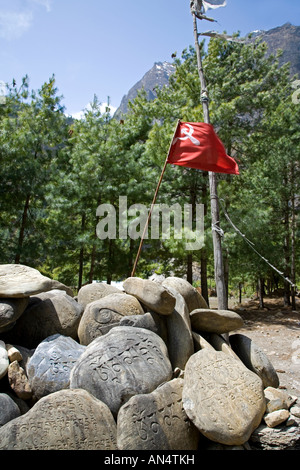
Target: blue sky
column 104, row 47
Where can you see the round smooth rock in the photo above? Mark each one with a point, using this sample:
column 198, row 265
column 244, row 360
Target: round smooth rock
column 124, row 362
column 17, row 280
column 49, row 313
column 255, row 359
column 150, row 321
column 276, row 417
column 95, row 291
column 11, row 310
column 222, row 397
column 180, row 340
column 8, row 409
column 50, row 366
column 103, row 314
column 4, row 362
column 151, row 294
column 215, row 321
column 18, row 381
column 156, row 421
column 192, row 297
column 64, row 420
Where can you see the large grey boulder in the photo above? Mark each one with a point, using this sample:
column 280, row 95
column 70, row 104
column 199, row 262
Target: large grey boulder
column 101, row 315
column 11, row 310
column 95, row 291
column 156, row 421
column 64, row 420
column 8, row 409
column 4, row 362
column 222, row 397
column 180, row 340
column 190, row 294
column 124, row 362
column 255, row 359
column 17, row 280
column 150, row 320
column 215, row 321
column 151, row 294
column 50, row 366
column 47, row 314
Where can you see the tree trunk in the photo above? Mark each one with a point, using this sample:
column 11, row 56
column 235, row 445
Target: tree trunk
column 240, row 292
column 204, row 286
column 218, row 257
column 293, row 241
column 81, row 253
column 189, row 270
column 261, row 292
column 22, row 229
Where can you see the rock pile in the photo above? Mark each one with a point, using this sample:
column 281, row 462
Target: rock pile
column 144, row 368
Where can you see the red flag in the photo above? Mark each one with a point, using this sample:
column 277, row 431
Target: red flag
column 196, row 145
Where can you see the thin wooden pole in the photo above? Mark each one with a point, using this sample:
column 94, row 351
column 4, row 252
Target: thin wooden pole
column 152, row 205
column 216, row 233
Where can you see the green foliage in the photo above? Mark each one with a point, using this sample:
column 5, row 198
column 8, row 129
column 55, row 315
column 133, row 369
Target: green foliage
column 55, row 173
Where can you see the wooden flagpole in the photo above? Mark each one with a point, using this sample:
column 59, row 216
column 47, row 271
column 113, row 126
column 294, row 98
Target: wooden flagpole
column 216, row 231
column 152, row 205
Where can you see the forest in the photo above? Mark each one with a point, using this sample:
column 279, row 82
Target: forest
column 56, row 171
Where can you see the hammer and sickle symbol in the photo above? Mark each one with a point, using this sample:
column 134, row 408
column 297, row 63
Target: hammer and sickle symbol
column 188, row 135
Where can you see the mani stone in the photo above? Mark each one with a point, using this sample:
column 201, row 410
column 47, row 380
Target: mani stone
column 103, row 314
column 215, row 321
column 11, row 310
column 156, row 421
column 50, row 365
column 95, row 291
column 151, row 294
column 222, row 397
column 48, row 313
column 124, row 362
column 8, row 409
column 180, row 340
column 64, row 420
column 150, row 320
column 17, row 280
column 4, row 362
column 255, row 359
column 192, row 297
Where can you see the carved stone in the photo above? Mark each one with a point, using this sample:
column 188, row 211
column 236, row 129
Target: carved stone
column 64, row 420
column 222, row 397
column 156, row 421
column 103, row 314
column 124, row 362
column 50, row 366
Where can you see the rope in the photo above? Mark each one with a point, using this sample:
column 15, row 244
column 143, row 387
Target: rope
column 251, row 244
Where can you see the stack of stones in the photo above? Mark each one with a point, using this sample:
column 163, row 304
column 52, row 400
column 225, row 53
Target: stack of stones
column 143, row 368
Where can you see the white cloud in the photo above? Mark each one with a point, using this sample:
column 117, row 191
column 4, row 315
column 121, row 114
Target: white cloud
column 103, row 106
column 45, row 3
column 13, row 24
column 17, row 17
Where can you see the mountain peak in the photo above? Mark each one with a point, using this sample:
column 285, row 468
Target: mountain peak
column 157, row 76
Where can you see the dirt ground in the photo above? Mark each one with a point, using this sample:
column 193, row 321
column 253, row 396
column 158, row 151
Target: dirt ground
column 276, row 330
